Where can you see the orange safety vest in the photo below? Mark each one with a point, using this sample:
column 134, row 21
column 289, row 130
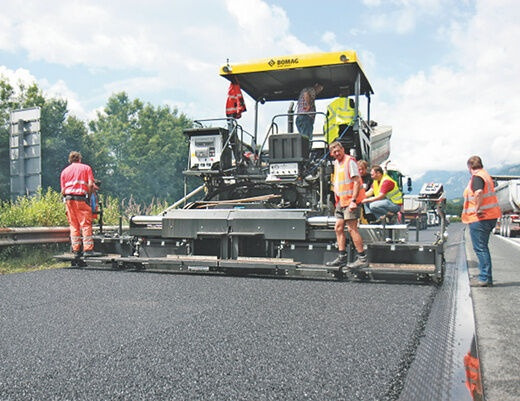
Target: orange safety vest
column 344, row 184
column 489, row 206
column 235, row 103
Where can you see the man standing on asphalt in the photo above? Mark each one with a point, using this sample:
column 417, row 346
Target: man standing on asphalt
column 480, row 212
column 348, row 193
column 77, row 183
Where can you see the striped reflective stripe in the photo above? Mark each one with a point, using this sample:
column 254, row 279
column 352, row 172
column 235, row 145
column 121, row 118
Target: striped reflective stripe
column 232, row 108
column 76, row 191
column 486, row 195
column 394, row 195
column 76, row 187
column 489, row 208
column 485, row 207
column 345, row 193
column 343, row 183
column 75, row 242
column 75, row 182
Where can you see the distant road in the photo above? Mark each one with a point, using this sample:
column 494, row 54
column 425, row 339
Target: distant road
column 515, row 241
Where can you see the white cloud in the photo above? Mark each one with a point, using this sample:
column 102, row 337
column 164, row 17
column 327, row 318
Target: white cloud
column 444, row 115
column 6, row 29
column 264, row 28
column 330, row 39
column 402, row 16
column 20, row 75
column 465, row 104
column 59, row 90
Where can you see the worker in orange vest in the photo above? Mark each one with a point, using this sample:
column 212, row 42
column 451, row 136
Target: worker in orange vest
column 348, row 192
column 480, row 212
column 77, row 183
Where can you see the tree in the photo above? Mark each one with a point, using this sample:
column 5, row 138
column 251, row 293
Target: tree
column 137, row 150
column 454, row 207
column 141, row 149
column 59, row 134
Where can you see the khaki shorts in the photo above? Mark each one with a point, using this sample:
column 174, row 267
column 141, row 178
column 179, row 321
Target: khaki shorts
column 346, row 214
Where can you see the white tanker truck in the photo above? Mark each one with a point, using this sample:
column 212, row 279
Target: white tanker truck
column 508, row 194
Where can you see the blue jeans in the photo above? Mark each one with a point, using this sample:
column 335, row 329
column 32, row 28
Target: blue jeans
column 305, row 125
column 381, row 207
column 479, row 232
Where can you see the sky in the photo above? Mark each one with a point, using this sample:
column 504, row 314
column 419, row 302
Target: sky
column 445, row 73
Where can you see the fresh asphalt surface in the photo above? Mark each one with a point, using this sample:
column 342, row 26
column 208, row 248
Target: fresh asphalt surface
column 73, row 334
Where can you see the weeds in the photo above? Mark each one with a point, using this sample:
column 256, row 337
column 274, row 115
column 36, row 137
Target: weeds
column 46, row 209
column 24, row 258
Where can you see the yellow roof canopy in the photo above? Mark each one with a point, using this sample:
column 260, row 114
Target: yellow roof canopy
column 282, row 78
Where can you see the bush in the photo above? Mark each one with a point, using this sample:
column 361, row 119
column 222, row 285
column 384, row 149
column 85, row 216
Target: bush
column 41, row 210
column 48, row 210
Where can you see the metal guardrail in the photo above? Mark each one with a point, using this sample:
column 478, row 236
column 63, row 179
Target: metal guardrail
column 33, row 235
column 38, row 235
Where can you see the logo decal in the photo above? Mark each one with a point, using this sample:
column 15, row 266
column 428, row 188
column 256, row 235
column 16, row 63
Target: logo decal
column 283, row 62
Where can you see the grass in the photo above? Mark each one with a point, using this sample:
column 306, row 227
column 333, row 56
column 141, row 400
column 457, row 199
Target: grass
column 26, row 258
column 46, row 209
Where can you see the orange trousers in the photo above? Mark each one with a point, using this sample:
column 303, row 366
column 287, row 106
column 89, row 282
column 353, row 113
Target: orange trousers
column 79, row 216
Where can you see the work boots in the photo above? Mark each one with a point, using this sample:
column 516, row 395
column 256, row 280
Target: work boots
column 77, row 254
column 340, row 261
column 359, row 263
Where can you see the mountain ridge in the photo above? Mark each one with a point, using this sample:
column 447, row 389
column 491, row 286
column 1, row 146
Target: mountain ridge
column 454, row 182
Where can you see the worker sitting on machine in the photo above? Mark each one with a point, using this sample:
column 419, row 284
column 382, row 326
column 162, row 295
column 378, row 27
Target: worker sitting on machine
column 384, row 199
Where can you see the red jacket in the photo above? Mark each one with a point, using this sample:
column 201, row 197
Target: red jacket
column 235, row 104
column 74, row 179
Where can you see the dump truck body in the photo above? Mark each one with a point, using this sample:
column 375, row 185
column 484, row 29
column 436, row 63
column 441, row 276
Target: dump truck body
column 508, row 195
column 415, row 212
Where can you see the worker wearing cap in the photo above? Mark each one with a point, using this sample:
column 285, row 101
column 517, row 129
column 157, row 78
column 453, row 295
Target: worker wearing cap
column 480, row 212
column 77, row 183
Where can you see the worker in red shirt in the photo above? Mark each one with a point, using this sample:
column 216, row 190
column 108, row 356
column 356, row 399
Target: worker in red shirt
column 384, row 198
column 77, row 183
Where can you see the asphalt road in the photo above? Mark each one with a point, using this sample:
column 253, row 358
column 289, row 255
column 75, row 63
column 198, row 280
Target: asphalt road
column 498, row 319
column 86, row 334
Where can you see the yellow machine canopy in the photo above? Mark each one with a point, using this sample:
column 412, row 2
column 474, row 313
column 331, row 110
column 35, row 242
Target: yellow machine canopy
column 282, row 78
